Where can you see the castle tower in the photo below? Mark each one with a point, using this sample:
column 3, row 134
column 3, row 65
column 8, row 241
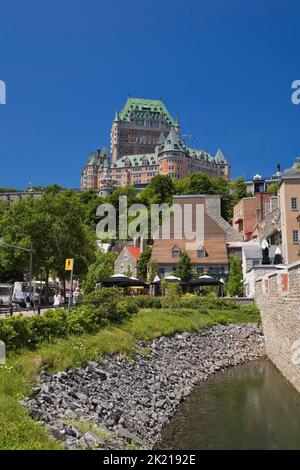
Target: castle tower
column 171, row 156
column 137, row 128
column 105, row 185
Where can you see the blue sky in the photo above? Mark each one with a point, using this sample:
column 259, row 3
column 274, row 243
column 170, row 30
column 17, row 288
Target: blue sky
column 225, row 67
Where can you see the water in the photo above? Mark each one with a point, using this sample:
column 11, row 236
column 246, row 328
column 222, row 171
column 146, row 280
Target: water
column 245, row 407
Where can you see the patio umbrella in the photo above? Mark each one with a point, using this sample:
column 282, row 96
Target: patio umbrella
column 120, row 280
column 172, row 279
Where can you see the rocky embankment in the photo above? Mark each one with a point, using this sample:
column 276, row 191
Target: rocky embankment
column 132, row 401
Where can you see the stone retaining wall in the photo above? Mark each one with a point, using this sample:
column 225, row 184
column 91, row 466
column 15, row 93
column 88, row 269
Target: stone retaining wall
column 278, row 297
column 131, row 401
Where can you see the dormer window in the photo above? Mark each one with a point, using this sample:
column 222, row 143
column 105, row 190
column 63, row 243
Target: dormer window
column 176, row 252
column 201, row 253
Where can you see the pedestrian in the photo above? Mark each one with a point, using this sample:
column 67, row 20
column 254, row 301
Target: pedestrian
column 36, row 302
column 77, row 297
column 28, row 301
column 57, row 300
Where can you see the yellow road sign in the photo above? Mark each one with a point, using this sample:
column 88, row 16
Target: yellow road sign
column 69, row 264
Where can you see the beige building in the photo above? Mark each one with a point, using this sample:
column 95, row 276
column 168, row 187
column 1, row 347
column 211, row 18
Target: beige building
column 210, row 255
column 289, row 195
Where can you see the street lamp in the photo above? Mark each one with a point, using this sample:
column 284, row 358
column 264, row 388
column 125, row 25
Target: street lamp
column 28, row 250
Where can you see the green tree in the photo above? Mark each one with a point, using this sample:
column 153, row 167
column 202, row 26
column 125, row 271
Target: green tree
column 238, row 189
column 273, row 189
column 129, row 191
column 54, row 224
column 102, row 268
column 160, row 190
column 235, row 283
column 8, row 190
column 152, row 270
column 222, row 188
column 200, row 183
column 184, row 269
column 143, row 263
column 171, row 293
column 181, row 186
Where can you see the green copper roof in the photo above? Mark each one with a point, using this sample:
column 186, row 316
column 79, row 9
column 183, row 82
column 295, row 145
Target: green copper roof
column 104, row 153
column 137, row 160
column 92, row 158
column 219, row 157
column 161, row 139
column 141, row 104
column 172, row 143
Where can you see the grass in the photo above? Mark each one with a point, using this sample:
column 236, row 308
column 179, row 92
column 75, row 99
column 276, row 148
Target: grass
column 84, row 426
column 19, row 431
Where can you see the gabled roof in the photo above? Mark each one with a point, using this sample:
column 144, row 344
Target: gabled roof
column 134, row 251
column 196, row 153
column 136, row 160
column 141, row 104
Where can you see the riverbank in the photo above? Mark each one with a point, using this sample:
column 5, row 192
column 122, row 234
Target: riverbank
column 20, row 373
column 119, row 402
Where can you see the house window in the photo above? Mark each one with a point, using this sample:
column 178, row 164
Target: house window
column 201, row 252
column 295, row 237
column 294, row 204
column 176, row 252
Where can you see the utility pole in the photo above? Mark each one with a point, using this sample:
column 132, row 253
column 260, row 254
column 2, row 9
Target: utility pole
column 30, row 267
column 70, row 267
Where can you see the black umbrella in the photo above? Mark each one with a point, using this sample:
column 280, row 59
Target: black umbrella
column 120, row 280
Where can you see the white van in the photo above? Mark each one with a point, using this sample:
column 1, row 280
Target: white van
column 6, row 291
column 21, row 290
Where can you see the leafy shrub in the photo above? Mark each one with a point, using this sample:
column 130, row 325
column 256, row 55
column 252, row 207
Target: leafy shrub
column 147, row 301
column 195, row 301
column 125, row 309
column 105, row 297
column 105, row 306
column 111, row 305
column 171, row 294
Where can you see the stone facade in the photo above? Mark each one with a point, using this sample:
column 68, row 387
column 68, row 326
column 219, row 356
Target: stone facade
column 10, row 197
column 278, row 295
column 127, row 261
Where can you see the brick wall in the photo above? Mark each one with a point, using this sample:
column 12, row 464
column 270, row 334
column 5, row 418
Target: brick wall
column 278, row 297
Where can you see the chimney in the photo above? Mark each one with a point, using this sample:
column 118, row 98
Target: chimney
column 98, row 152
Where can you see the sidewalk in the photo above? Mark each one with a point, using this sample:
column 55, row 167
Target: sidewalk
column 26, row 313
